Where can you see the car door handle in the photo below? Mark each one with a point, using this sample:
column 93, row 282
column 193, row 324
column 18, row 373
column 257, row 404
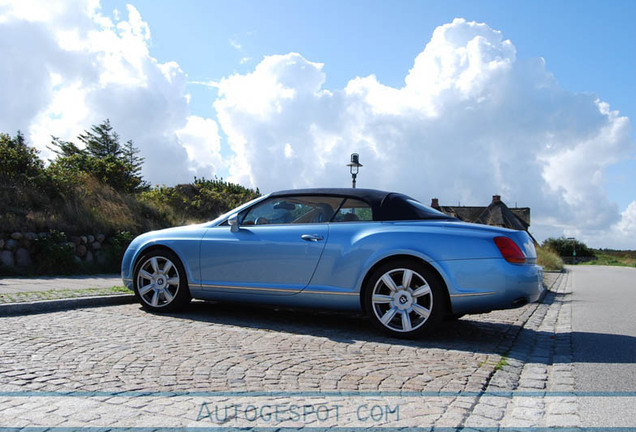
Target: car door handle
column 311, row 237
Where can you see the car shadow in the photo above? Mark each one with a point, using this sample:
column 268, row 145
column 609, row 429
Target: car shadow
column 604, row 348
column 466, row 334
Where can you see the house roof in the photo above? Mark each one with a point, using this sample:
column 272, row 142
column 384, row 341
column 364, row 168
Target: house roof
column 497, row 214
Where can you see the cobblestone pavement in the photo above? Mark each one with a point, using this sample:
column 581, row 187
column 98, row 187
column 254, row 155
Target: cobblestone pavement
column 220, row 365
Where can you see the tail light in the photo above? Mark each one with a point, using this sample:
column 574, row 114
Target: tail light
column 509, row 250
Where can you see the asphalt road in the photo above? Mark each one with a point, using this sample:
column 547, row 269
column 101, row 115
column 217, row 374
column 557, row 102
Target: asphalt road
column 604, row 344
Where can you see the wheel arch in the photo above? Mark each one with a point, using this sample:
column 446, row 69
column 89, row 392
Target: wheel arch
column 413, row 258
column 172, row 300
column 152, row 247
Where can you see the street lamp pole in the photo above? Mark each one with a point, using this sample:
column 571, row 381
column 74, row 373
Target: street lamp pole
column 354, row 168
column 573, row 240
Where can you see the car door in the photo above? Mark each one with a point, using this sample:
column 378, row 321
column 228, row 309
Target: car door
column 275, row 251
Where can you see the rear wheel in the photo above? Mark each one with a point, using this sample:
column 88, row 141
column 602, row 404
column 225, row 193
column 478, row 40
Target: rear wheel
column 404, row 299
column 160, row 282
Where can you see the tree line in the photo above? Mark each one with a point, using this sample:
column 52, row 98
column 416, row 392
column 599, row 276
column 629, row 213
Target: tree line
column 96, row 182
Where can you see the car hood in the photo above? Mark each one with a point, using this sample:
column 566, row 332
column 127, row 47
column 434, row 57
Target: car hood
column 180, row 232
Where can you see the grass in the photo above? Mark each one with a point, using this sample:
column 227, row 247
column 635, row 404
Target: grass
column 613, row 258
column 21, row 297
column 503, row 362
column 499, row 365
column 549, row 260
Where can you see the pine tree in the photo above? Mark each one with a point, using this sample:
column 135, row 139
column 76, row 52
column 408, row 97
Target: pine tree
column 64, row 148
column 130, row 154
column 103, row 158
column 101, row 141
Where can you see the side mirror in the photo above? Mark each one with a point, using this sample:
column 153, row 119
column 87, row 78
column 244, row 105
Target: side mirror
column 234, row 223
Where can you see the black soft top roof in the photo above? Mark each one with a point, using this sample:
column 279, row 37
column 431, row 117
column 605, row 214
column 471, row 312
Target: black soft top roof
column 386, row 206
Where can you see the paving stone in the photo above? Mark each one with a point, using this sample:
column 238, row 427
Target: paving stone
column 220, row 348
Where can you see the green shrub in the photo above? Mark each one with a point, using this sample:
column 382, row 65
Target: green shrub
column 200, row 201
column 548, row 259
column 118, row 245
column 20, row 163
column 54, row 255
column 565, row 247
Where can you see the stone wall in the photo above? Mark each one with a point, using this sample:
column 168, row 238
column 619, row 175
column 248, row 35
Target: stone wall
column 17, row 249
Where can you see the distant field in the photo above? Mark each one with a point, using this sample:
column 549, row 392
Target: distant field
column 613, row 258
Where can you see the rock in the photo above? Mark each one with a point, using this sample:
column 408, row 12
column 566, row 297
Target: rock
column 11, row 244
column 43, row 235
column 83, row 239
column 76, row 240
column 89, row 257
column 100, row 238
column 1, row 243
column 91, row 238
column 6, row 258
column 31, row 236
column 96, row 245
column 101, row 257
column 23, row 258
column 81, row 251
column 17, row 236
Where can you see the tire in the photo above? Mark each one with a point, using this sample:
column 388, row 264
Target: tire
column 160, row 282
column 405, row 299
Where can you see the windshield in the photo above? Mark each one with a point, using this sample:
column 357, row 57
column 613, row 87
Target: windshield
column 224, row 216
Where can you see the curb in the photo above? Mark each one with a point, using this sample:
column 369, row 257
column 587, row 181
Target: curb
column 29, row 308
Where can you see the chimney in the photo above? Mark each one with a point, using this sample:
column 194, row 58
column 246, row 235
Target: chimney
column 435, row 203
column 496, row 199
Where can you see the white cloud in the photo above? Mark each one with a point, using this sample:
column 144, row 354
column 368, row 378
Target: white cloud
column 71, row 67
column 471, row 121
column 200, row 138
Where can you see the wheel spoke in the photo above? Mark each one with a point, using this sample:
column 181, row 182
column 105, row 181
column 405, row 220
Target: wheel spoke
column 381, row 299
column 388, row 281
column 406, row 321
column 388, row 316
column 143, row 273
column 155, row 265
column 421, row 311
column 168, row 296
column 155, row 299
column 173, row 281
column 144, row 289
column 406, row 278
column 167, row 267
column 422, row 291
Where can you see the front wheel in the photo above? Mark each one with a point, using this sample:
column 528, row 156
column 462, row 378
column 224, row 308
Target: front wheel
column 404, row 299
column 160, row 282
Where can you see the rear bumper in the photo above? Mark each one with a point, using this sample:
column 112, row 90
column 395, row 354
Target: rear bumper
column 502, row 286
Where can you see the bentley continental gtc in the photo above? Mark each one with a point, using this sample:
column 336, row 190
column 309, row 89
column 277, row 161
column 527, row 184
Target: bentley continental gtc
column 405, row 265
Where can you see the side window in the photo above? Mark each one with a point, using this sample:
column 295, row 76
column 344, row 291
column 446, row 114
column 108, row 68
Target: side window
column 354, row 210
column 293, row 209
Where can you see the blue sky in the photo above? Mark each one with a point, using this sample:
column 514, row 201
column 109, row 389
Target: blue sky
column 589, row 46
column 458, row 100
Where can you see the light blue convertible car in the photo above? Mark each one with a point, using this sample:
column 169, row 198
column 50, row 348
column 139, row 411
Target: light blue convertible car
column 406, row 265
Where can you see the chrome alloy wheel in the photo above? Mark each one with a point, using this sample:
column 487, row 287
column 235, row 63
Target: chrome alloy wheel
column 158, row 281
column 402, row 300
